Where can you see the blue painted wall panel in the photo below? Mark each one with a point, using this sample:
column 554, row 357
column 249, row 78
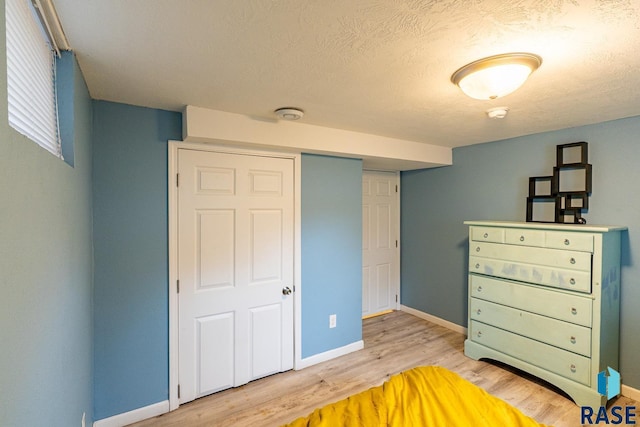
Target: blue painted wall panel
column 46, row 266
column 490, row 181
column 65, row 94
column 331, row 252
column 131, row 255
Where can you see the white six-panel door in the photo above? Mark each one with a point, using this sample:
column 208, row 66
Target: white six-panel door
column 235, row 269
column 380, row 229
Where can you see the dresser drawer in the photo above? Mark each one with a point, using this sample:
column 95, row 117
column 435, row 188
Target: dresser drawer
column 579, row 281
column 565, row 363
column 571, row 260
column 487, row 234
column 561, row 334
column 521, row 236
column 567, row 240
column 570, row 308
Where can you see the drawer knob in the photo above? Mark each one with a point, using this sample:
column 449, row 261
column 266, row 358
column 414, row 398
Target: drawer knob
column 572, row 260
column 477, row 265
column 486, row 235
column 479, row 288
column 572, row 281
column 567, row 242
column 478, row 311
column 522, row 238
column 573, row 340
column 574, row 311
column 479, row 334
column 573, row 368
column 477, row 248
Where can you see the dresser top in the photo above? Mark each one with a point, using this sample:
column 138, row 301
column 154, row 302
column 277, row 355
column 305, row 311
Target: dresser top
column 549, row 226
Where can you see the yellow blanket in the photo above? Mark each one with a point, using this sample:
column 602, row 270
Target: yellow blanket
column 423, row 396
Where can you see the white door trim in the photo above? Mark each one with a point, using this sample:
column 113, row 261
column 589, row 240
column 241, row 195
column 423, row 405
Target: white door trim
column 397, row 278
column 173, row 148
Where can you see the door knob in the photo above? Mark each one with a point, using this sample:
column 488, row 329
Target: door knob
column 286, row 291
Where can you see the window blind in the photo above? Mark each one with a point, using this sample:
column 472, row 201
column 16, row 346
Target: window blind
column 31, row 77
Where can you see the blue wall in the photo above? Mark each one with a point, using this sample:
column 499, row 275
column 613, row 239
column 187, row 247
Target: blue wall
column 131, row 256
column 490, row 181
column 66, row 95
column 46, row 265
column 331, row 252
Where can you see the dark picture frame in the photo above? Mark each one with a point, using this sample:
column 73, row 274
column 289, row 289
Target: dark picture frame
column 568, row 188
column 533, row 186
column 563, row 153
column 570, row 201
column 531, row 208
column 557, row 179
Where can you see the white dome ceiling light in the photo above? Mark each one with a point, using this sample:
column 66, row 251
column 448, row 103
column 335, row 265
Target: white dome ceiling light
column 496, row 76
column 289, row 113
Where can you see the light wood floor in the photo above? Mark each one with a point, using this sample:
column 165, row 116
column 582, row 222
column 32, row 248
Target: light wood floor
column 393, row 342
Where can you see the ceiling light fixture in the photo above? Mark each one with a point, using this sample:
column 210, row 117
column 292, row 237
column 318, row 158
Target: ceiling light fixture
column 496, row 76
column 289, row 113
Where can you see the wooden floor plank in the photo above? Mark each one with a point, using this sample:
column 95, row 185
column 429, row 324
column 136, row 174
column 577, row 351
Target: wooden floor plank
column 394, row 342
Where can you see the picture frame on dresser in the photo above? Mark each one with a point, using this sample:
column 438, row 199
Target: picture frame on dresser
column 569, row 187
column 545, row 209
column 541, row 186
column 572, row 179
column 570, row 216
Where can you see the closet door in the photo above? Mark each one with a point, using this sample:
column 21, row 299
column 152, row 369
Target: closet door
column 380, row 242
column 235, row 262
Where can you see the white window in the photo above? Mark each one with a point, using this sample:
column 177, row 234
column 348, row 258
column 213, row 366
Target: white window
column 31, row 85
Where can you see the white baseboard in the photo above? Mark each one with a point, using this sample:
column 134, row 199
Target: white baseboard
column 328, row 355
column 433, row 319
column 134, row 416
column 630, row 392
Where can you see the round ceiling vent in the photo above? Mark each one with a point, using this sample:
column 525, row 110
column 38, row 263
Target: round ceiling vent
column 289, row 113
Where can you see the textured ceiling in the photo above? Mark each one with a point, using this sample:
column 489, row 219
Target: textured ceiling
column 374, row 66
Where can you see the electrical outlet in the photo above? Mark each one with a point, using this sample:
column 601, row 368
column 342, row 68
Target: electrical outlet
column 332, row 320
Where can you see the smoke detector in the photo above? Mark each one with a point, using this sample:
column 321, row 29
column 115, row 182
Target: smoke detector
column 289, row 113
column 498, row 112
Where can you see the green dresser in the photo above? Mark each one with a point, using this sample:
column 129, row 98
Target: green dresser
column 545, row 298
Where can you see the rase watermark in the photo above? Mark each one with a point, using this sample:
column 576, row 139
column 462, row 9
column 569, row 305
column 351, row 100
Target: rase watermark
column 609, row 386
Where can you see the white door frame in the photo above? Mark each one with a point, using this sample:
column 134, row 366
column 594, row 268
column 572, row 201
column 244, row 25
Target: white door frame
column 174, row 352
column 396, row 278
